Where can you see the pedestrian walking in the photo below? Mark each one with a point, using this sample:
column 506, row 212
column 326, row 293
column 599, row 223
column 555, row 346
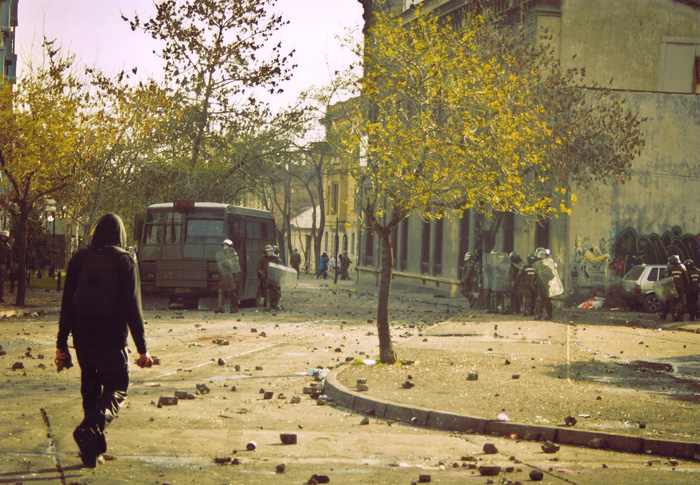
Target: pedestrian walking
column 101, row 305
column 334, row 264
column 345, row 267
column 322, row 267
column 295, row 261
column 5, row 261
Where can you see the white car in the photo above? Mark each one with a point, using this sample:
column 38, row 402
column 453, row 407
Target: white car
column 638, row 286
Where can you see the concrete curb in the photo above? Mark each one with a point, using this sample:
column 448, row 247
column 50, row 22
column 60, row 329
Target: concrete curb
column 20, row 312
column 445, row 421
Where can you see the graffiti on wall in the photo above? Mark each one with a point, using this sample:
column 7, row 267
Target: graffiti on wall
column 615, row 256
column 631, row 248
column 591, row 263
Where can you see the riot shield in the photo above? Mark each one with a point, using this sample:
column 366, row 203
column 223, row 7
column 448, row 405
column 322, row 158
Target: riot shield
column 548, row 275
column 282, row 276
column 500, row 272
column 227, row 264
column 665, row 289
column 487, row 272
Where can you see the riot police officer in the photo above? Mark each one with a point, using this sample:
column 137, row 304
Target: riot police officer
column 469, row 280
column 693, row 289
column 269, row 288
column 528, row 285
column 229, row 268
column 516, row 274
column 677, row 271
column 543, row 302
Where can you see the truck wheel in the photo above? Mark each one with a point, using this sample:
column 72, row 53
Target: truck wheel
column 651, row 303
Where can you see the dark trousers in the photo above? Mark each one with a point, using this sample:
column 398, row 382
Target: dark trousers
column 529, row 297
column 693, row 304
column 516, row 299
column 543, row 302
column 274, row 293
column 104, row 379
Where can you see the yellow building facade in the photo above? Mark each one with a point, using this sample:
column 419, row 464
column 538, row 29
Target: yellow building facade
column 648, row 51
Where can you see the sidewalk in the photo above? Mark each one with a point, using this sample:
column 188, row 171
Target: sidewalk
column 601, row 378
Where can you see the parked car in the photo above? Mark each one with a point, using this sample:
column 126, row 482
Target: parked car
column 638, row 286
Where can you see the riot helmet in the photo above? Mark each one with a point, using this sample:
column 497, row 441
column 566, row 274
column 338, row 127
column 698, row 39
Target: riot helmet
column 674, row 259
column 515, row 257
column 541, row 253
column 468, row 255
column 689, row 263
column 531, row 257
column 227, row 242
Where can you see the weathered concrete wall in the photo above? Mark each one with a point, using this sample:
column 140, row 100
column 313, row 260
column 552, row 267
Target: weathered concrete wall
column 656, row 213
column 622, row 39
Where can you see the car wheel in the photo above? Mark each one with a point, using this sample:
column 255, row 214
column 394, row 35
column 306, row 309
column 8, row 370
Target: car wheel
column 651, row 303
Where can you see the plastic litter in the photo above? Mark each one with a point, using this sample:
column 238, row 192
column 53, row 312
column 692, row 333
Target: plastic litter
column 593, row 302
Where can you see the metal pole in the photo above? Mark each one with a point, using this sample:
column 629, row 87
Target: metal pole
column 337, row 240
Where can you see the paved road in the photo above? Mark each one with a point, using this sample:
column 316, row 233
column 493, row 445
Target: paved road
column 242, row 357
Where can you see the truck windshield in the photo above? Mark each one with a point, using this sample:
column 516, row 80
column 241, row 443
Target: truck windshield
column 204, row 230
column 170, row 227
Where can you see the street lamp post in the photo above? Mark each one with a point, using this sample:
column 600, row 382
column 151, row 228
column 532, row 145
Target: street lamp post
column 337, row 241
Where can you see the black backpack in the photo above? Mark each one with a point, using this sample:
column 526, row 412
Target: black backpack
column 97, row 291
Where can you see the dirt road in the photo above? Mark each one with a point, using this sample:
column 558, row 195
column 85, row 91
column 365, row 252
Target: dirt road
column 244, row 378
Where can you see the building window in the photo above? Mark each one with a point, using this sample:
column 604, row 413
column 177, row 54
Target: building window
column 403, row 260
column 425, row 249
column 679, row 65
column 437, row 247
column 352, row 243
column 542, row 233
column 508, row 232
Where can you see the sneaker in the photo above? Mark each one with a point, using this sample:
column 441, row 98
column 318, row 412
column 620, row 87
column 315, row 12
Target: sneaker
column 88, row 444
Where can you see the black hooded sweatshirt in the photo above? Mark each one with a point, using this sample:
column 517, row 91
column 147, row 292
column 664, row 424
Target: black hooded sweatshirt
column 109, row 237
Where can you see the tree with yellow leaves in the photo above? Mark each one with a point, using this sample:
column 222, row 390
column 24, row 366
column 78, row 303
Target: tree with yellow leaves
column 476, row 118
column 41, row 123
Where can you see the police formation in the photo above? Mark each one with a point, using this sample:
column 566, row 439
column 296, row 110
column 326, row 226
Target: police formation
column 511, row 285
column 679, row 290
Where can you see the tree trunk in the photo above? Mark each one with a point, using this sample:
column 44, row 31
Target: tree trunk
column 387, row 355
column 21, row 242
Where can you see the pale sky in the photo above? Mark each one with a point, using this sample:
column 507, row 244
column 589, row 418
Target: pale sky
column 94, row 31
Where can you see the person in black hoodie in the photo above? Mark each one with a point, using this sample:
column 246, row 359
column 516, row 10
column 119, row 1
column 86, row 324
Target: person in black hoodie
column 100, row 324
